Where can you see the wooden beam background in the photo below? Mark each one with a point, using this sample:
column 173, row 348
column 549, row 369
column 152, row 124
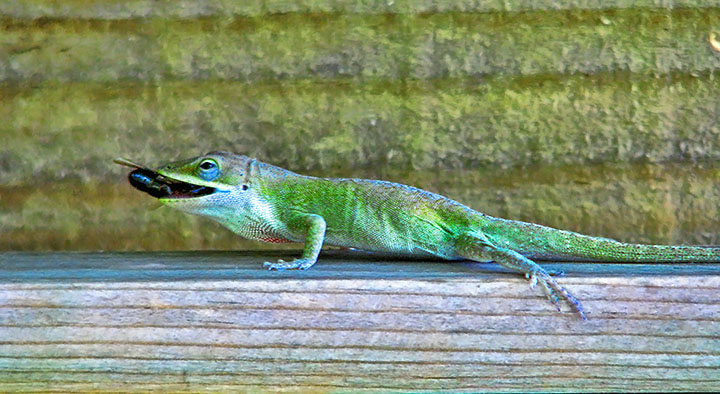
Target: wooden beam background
column 216, row 321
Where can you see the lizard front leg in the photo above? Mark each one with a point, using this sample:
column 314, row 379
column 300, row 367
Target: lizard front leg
column 314, row 228
column 480, row 248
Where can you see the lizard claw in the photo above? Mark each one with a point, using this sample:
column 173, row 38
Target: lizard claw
column 282, row 265
column 274, row 266
column 555, row 292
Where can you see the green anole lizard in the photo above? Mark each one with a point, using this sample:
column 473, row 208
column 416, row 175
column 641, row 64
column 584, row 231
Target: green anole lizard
column 267, row 203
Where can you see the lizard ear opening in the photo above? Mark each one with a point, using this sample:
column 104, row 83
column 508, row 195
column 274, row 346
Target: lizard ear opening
column 250, row 170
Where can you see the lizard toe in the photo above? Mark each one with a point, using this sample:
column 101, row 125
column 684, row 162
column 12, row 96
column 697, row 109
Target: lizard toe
column 281, row 265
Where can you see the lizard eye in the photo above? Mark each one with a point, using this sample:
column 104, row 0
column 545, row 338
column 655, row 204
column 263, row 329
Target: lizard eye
column 208, row 169
column 208, row 165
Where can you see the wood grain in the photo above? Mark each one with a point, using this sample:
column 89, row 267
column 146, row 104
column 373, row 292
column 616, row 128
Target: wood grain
column 216, row 321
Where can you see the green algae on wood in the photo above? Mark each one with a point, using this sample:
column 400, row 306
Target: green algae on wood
column 308, row 125
column 297, row 46
column 114, row 9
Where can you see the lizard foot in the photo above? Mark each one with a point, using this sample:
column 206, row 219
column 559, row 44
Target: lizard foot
column 554, row 291
column 282, row 265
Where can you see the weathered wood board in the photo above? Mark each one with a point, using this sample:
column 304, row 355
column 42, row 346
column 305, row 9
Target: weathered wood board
column 216, row 321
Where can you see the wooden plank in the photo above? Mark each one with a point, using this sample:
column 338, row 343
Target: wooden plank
column 574, row 120
column 216, row 321
column 337, row 47
column 113, row 9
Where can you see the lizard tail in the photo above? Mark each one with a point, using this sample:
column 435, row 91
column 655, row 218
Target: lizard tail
column 546, row 243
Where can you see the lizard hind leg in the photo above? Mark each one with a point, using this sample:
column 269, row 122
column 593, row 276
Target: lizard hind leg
column 480, row 248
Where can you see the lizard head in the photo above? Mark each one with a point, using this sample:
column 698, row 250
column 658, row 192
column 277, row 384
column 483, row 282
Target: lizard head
column 204, row 185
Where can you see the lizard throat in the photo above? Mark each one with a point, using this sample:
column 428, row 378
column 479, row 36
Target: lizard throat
column 160, row 186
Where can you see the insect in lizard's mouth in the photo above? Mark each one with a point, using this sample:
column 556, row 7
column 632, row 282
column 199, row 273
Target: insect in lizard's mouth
column 160, row 186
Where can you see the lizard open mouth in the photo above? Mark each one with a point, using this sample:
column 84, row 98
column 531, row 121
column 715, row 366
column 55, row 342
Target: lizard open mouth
column 159, row 186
